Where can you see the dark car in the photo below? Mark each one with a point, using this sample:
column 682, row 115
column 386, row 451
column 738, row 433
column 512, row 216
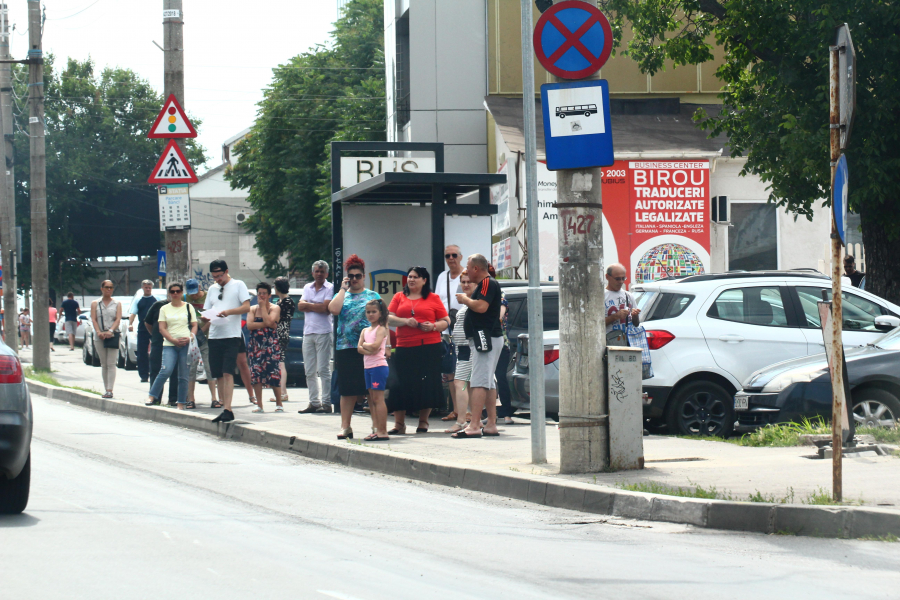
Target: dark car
column 293, row 359
column 800, row 389
column 16, row 423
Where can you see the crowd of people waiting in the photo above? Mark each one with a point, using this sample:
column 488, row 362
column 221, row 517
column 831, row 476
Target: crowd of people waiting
column 452, row 330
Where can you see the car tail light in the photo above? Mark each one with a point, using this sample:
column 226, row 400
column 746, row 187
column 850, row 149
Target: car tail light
column 551, row 355
column 657, row 338
column 10, row 370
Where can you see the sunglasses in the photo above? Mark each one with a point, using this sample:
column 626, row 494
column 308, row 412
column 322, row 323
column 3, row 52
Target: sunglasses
column 174, row 291
column 451, row 256
column 354, row 275
column 107, row 287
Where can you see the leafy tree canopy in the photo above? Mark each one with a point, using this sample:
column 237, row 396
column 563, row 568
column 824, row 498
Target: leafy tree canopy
column 775, row 112
column 333, row 92
column 98, row 161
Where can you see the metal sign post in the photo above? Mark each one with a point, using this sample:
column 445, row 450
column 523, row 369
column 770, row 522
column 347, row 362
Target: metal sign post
column 535, row 298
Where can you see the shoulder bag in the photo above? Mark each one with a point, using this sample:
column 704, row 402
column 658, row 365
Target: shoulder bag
column 110, row 342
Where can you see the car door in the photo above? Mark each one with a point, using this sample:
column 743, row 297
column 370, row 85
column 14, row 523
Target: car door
column 750, row 326
column 859, row 317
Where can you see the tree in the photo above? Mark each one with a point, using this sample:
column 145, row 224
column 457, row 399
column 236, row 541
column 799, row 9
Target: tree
column 775, row 103
column 329, row 93
column 98, row 161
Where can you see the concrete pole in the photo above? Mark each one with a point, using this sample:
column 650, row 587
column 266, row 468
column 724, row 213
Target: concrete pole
column 40, row 283
column 177, row 240
column 837, row 315
column 535, row 297
column 7, row 189
column 583, row 414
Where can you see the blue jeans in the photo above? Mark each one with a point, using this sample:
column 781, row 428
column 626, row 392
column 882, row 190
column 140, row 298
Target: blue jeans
column 173, row 357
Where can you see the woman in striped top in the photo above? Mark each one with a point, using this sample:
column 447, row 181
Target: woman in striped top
column 463, row 360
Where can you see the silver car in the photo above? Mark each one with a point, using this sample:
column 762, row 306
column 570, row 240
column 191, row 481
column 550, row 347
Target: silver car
column 518, row 377
column 16, row 424
column 61, row 337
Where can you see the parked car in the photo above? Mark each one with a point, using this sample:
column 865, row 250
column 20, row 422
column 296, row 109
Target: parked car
column 61, row 337
column 518, row 378
column 88, row 350
column 708, row 333
column 517, row 311
column 16, row 424
column 792, row 390
column 296, row 371
column 128, row 339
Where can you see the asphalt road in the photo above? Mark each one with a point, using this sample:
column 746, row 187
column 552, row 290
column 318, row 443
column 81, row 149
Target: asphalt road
column 125, row 509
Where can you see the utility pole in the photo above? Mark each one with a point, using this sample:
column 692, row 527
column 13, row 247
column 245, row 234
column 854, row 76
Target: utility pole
column 177, row 240
column 7, row 188
column 40, row 283
column 583, row 408
column 535, row 296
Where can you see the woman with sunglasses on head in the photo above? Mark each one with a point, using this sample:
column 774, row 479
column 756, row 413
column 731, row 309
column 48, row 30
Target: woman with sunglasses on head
column 177, row 325
column 106, row 314
column 349, row 306
column 264, row 349
column 420, row 317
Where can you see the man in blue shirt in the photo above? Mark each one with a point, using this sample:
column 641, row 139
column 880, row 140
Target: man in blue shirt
column 71, row 310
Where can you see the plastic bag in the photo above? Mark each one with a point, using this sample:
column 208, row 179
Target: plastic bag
column 637, row 338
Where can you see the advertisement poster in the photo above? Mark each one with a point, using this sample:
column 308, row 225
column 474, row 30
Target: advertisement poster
column 500, row 197
column 655, row 219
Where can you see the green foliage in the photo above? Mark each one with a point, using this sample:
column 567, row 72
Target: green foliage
column 653, row 487
column 97, row 151
column 776, row 97
column 329, row 93
column 882, row 435
column 46, row 376
column 784, row 434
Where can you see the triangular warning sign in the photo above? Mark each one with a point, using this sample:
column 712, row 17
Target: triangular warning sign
column 172, row 167
column 172, row 122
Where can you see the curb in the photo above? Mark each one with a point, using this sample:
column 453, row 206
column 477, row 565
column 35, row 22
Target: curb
column 755, row 517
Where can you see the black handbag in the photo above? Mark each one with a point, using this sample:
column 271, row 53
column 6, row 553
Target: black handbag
column 110, row 342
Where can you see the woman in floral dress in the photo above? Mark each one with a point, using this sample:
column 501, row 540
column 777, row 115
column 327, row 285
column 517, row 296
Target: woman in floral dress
column 264, row 349
column 286, row 307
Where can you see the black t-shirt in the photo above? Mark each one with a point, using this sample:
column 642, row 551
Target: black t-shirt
column 489, row 321
column 70, row 308
column 152, row 319
column 856, row 277
column 144, row 305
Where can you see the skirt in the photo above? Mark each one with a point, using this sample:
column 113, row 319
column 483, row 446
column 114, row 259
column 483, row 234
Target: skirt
column 418, row 384
column 351, row 373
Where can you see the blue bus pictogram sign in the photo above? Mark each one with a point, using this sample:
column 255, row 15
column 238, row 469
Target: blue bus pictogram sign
column 572, row 40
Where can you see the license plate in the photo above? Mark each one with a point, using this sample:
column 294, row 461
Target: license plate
column 741, row 402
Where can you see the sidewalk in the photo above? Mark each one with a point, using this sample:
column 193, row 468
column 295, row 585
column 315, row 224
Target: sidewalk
column 730, row 469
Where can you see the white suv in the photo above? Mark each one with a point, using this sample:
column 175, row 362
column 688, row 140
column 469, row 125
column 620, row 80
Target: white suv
column 708, row 333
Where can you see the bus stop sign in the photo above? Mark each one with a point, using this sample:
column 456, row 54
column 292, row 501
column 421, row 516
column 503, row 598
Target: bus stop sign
column 572, row 39
column 577, row 127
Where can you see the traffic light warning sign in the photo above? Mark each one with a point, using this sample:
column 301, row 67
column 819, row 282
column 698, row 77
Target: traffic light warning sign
column 172, row 122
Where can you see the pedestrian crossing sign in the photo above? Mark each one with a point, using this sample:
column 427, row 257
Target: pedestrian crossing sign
column 172, row 122
column 172, row 167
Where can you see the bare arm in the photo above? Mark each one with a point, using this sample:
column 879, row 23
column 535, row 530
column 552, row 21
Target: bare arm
column 243, row 309
column 361, row 346
column 118, row 317
column 337, row 303
column 100, row 333
column 479, row 306
column 252, row 325
column 316, row 307
column 271, row 316
column 373, row 347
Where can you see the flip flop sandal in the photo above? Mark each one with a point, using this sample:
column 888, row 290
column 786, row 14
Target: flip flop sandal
column 190, row 406
column 452, row 416
column 257, row 410
column 216, row 404
column 486, row 434
column 455, row 428
column 279, row 409
column 461, row 435
column 374, row 438
column 421, row 429
column 398, row 431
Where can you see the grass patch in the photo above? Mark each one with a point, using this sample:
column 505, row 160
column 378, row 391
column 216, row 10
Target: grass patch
column 783, row 434
column 653, row 487
column 45, row 376
column 758, row 496
column 890, row 537
column 882, row 435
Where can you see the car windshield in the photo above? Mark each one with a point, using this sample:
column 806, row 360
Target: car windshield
column 889, row 341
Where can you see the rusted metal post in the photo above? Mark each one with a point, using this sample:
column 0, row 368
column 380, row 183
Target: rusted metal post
column 837, row 320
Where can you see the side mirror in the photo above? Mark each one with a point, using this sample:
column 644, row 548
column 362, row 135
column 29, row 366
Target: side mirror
column 887, row 322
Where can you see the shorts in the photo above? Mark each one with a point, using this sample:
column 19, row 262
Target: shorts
column 71, row 326
column 350, row 372
column 223, row 356
column 243, row 348
column 484, row 364
column 376, row 378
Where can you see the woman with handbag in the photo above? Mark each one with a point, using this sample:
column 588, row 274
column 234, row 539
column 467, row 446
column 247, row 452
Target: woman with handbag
column 106, row 314
column 178, row 326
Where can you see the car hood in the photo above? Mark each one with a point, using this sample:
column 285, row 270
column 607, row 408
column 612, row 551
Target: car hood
column 763, row 376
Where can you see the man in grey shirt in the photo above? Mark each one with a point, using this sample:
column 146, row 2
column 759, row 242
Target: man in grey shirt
column 318, row 339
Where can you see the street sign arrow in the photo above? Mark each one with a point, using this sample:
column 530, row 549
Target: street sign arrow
column 572, row 39
column 172, row 122
column 172, row 167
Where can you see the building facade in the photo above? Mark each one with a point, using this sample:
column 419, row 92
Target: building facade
column 454, row 75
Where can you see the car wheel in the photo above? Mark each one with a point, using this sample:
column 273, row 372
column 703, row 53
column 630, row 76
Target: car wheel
column 130, row 365
column 875, row 408
column 95, row 358
column 587, row 114
column 562, row 116
column 85, row 357
column 14, row 492
column 120, row 360
column 701, row 408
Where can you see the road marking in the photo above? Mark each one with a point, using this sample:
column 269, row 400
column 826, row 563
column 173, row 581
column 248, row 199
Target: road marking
column 339, row 595
column 166, row 533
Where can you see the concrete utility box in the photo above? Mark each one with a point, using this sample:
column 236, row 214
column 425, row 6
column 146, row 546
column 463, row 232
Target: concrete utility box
column 626, row 410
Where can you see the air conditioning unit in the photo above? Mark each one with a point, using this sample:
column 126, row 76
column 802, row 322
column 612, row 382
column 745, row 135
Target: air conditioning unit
column 720, row 206
column 240, row 217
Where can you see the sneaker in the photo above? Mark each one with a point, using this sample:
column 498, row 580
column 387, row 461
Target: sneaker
column 309, row 409
column 224, row 417
column 325, row 408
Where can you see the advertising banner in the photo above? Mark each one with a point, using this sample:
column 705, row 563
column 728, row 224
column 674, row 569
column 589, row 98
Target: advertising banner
column 655, row 219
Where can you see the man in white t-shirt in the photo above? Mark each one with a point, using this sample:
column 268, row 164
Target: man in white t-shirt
column 446, row 286
column 229, row 299
column 620, row 304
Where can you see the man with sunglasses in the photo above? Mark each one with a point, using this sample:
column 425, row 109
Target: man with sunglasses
column 229, row 299
column 446, row 286
column 620, row 304
column 318, row 338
